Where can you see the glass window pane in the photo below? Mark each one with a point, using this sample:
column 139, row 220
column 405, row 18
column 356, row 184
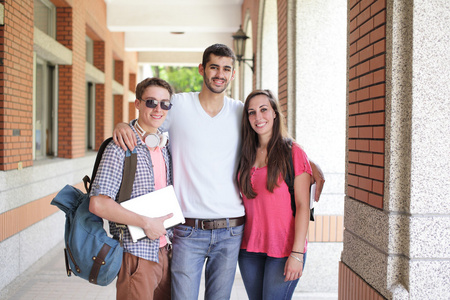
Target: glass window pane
column 39, row 118
column 89, row 50
column 45, row 17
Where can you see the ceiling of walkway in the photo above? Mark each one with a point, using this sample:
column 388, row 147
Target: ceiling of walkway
column 173, row 32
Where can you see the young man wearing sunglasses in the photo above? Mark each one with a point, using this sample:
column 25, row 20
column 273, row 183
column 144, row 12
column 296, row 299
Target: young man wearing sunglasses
column 204, row 128
column 145, row 272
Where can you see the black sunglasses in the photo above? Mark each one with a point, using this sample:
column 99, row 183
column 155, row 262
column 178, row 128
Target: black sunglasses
column 152, row 103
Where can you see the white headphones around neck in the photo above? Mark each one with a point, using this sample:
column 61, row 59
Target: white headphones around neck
column 152, row 140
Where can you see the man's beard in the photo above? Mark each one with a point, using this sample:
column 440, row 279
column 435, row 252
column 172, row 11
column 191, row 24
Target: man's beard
column 213, row 89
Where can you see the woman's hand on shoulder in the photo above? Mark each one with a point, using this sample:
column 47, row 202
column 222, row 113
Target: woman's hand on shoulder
column 124, row 136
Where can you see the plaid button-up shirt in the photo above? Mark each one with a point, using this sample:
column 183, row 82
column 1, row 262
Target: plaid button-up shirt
column 107, row 182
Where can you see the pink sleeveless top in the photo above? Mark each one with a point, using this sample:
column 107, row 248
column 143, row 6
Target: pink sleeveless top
column 269, row 225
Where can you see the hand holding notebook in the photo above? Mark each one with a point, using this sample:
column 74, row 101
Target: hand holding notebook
column 156, row 204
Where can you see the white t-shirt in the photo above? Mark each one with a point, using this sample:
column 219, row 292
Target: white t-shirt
column 205, row 152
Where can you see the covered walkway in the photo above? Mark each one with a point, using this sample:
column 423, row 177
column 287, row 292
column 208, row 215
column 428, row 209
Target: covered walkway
column 46, row 279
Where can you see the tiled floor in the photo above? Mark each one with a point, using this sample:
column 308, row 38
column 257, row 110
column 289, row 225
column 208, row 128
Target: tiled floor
column 47, row 280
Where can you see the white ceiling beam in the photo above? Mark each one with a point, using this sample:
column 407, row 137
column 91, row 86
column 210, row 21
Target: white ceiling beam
column 169, row 17
column 188, row 42
column 147, row 25
column 188, row 59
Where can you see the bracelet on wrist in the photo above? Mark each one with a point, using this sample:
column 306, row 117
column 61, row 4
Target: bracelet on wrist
column 300, row 260
column 297, row 252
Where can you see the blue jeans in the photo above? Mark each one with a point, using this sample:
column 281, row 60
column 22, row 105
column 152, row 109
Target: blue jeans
column 263, row 276
column 191, row 247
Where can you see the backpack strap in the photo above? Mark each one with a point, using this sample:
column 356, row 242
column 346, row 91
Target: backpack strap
column 126, row 187
column 129, row 172
column 98, row 262
column 289, row 179
column 100, row 151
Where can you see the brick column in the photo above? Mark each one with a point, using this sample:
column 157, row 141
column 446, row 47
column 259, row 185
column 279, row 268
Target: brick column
column 118, row 109
column 119, row 99
column 132, row 82
column 99, row 63
column 132, row 87
column 365, row 259
column 16, row 86
column 72, row 84
column 131, row 111
column 118, row 71
column 366, row 97
column 282, row 56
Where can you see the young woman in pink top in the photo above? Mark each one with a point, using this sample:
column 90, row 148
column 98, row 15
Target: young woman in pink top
column 273, row 249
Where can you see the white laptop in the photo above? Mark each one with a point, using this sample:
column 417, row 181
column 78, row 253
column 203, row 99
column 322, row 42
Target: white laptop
column 156, row 204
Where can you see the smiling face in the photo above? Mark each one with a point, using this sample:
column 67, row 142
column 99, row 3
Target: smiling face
column 261, row 115
column 218, row 73
column 150, row 119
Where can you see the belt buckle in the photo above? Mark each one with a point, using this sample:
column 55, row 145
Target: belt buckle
column 203, row 224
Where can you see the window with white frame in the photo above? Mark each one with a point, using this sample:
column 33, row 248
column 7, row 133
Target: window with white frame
column 90, row 98
column 45, row 17
column 89, row 50
column 90, row 115
column 45, row 135
column 45, row 87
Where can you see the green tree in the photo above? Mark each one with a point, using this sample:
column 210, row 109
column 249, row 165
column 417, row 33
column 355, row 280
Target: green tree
column 182, row 79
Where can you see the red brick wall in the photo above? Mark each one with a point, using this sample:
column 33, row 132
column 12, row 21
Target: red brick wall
column 99, row 63
column 118, row 71
column 16, row 85
column 119, row 109
column 75, row 19
column 99, row 55
column 132, row 82
column 119, row 101
column 366, row 110
column 282, row 56
column 99, row 114
column 71, row 32
column 131, row 111
column 64, row 34
column 132, row 88
column 353, row 287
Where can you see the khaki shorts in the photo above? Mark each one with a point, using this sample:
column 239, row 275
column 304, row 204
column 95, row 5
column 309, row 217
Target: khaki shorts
column 143, row 279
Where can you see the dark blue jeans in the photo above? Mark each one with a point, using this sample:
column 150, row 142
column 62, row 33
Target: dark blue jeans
column 263, row 276
column 191, row 248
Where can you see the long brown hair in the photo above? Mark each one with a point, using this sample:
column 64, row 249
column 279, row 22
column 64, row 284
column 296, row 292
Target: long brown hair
column 278, row 148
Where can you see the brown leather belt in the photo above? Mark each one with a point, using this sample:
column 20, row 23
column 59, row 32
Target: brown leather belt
column 208, row 224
